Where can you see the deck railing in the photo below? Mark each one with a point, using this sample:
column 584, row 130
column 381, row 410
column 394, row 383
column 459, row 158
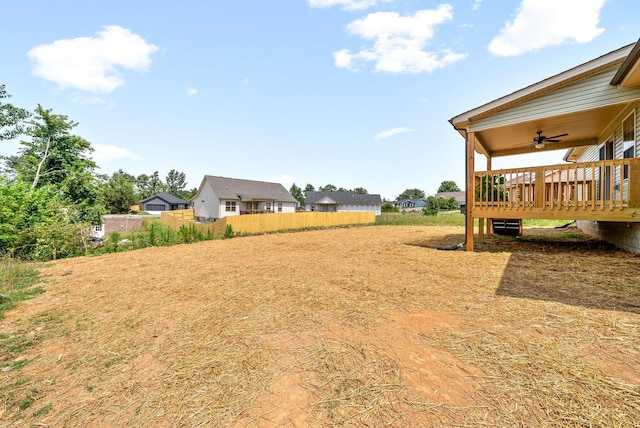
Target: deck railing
column 255, row 211
column 608, row 185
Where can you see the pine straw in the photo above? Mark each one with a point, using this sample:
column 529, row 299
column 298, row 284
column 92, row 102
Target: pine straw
column 344, row 327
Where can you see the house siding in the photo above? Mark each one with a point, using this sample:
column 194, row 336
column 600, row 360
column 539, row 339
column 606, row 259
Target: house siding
column 207, row 205
column 622, row 235
column 210, row 201
column 589, row 93
column 345, row 208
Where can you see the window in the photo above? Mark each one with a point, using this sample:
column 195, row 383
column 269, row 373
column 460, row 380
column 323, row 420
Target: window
column 279, row 207
column 97, row 228
column 628, row 140
column 268, row 206
column 230, row 206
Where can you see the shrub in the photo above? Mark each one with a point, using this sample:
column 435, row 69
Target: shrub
column 228, row 232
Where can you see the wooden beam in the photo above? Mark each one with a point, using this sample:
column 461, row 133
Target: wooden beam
column 489, row 223
column 627, row 215
column 634, row 183
column 470, row 187
column 481, row 146
column 563, row 145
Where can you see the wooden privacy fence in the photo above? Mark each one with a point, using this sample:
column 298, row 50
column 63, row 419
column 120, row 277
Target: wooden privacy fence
column 262, row 223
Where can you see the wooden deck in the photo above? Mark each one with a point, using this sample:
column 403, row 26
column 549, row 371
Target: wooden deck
column 606, row 190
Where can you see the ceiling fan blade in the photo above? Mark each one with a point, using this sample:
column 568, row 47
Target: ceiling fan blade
column 556, row 136
column 551, row 141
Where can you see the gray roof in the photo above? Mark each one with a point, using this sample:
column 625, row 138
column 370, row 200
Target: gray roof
column 246, row 190
column 347, row 198
column 459, row 196
column 167, row 197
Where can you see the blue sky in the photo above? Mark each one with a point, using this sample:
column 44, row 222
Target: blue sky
column 354, row 93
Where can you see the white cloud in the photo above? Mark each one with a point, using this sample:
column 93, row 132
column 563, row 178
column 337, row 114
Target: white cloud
column 346, row 4
column 391, row 133
column 106, row 153
column 399, row 42
column 92, row 63
column 192, row 91
column 476, row 4
column 542, row 23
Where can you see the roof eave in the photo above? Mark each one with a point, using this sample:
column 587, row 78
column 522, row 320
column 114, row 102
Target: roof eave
column 629, row 65
column 589, row 68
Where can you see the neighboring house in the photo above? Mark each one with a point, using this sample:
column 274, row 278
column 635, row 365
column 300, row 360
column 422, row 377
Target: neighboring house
column 219, row 197
column 591, row 113
column 458, row 196
column 162, row 201
column 116, row 223
column 410, row 204
column 559, row 185
column 342, row 202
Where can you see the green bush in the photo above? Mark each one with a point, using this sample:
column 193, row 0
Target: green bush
column 388, row 207
column 228, row 232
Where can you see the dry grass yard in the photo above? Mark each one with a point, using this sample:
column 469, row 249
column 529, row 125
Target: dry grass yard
column 365, row 326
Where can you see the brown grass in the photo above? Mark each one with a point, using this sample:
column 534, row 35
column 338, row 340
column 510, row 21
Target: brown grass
column 368, row 326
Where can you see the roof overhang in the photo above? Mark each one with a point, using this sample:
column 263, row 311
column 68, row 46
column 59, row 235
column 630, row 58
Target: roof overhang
column 585, row 125
column 629, row 73
column 326, row 200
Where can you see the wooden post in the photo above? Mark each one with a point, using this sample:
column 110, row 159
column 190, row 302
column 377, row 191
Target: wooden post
column 489, row 223
column 481, row 221
column 538, row 193
column 470, row 186
column 634, row 183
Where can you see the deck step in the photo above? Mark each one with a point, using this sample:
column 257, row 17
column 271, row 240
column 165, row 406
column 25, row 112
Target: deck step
column 507, row 226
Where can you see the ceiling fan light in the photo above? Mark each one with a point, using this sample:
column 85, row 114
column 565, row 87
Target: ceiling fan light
column 539, row 146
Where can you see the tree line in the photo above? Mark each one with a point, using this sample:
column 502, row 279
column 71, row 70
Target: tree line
column 433, row 204
column 50, row 192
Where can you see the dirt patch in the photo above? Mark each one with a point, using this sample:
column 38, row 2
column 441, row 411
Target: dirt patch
column 368, row 326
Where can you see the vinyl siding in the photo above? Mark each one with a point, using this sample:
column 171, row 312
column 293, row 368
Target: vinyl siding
column 592, row 153
column 586, row 94
column 206, row 203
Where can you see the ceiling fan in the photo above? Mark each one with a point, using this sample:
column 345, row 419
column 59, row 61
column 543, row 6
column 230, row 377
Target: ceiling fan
column 540, row 140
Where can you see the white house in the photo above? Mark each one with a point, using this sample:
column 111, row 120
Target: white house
column 591, row 113
column 219, row 197
column 342, row 202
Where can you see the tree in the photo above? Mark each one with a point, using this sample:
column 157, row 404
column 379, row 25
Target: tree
column 175, row 183
column 328, row 188
column 309, row 188
column 432, row 206
column 117, row 194
column 53, row 154
column 447, row 204
column 58, row 159
column 11, row 118
column 448, row 186
column 411, row 194
column 360, row 191
column 296, row 192
column 148, row 185
column 35, row 223
column 388, row 207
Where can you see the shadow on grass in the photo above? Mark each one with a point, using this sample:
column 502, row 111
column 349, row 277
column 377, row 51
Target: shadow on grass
column 560, row 265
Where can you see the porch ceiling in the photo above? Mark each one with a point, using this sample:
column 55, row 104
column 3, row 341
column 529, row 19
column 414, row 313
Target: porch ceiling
column 583, row 127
